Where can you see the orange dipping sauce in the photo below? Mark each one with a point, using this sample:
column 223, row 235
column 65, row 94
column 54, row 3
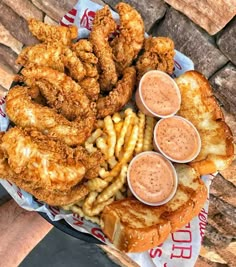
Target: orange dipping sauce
column 152, row 178
column 177, row 139
column 158, row 94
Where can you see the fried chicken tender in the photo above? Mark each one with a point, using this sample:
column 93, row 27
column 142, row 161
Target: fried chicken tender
column 103, row 26
column 119, row 96
column 36, row 188
column 91, row 88
column 56, row 56
column 52, row 33
column 84, row 51
column 65, row 95
column 158, row 55
column 36, row 157
column 126, row 46
column 48, row 55
column 92, row 161
column 25, row 113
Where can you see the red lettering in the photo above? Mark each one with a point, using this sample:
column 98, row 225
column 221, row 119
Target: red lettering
column 177, row 65
column 2, row 113
column 182, row 236
column 184, row 252
column 87, row 18
column 98, row 233
column 77, row 220
column 187, row 225
column 202, row 216
column 73, row 12
column 19, row 192
column 2, row 100
column 54, row 210
column 155, row 252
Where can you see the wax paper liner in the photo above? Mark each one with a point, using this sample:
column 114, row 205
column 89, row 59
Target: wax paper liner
column 182, row 247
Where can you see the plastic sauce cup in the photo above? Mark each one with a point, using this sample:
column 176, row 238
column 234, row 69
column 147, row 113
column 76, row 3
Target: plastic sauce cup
column 177, row 139
column 152, row 178
column 158, row 95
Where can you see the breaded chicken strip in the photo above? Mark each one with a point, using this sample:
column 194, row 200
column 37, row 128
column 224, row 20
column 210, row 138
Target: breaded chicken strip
column 103, row 26
column 119, row 96
column 51, row 197
column 55, row 56
column 52, row 33
column 49, row 163
column 25, row 113
column 92, row 161
column 158, row 55
column 126, row 46
column 65, row 95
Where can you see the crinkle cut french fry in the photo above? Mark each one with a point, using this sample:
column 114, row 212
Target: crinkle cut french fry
column 103, row 172
column 119, row 195
column 116, row 117
column 90, row 148
column 112, row 162
column 127, row 155
column 148, row 134
column 118, row 126
column 97, row 184
column 111, row 190
column 123, row 132
column 79, row 211
column 93, row 137
column 134, row 121
column 111, row 140
column 141, row 127
column 102, row 145
column 92, row 210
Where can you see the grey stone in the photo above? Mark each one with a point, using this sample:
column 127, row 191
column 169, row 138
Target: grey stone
column 16, row 25
column 25, row 9
column 192, row 41
column 55, row 9
column 227, row 41
column 211, row 15
column 8, row 57
column 223, row 83
column 151, row 10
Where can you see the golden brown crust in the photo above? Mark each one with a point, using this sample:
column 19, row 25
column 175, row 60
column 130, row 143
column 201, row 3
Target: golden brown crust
column 135, row 227
column 201, row 108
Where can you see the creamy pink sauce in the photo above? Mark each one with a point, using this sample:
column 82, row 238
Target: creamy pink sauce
column 152, row 178
column 159, row 94
column 177, row 139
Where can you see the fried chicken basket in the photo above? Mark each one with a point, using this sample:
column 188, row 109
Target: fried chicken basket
column 181, row 248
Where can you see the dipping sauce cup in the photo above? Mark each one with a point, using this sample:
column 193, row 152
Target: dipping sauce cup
column 158, row 95
column 152, row 178
column 177, row 139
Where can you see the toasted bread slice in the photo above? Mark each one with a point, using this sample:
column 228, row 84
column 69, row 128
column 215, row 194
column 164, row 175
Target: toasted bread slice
column 134, row 227
column 201, row 108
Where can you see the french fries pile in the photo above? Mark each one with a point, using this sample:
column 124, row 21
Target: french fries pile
column 120, row 138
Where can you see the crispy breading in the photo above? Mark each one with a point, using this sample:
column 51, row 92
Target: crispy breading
column 25, row 113
column 92, row 161
column 49, row 163
column 52, row 33
column 48, row 55
column 158, row 55
column 66, row 95
column 119, row 96
column 91, row 88
column 127, row 44
column 103, row 26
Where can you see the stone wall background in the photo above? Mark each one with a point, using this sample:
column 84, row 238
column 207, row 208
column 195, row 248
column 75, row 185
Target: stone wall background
column 213, row 55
